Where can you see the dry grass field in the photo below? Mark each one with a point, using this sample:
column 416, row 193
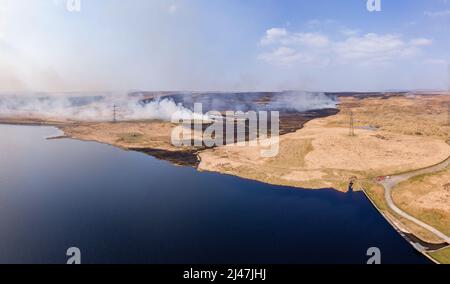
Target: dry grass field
column 145, row 134
column 376, row 193
column 416, row 115
column 390, row 138
column 427, row 198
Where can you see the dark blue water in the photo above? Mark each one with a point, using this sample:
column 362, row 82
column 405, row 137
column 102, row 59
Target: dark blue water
column 126, row 207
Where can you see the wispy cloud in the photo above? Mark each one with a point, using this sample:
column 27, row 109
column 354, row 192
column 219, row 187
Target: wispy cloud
column 173, row 9
column 288, row 48
column 421, row 42
column 435, row 61
column 283, row 56
column 373, row 48
column 443, row 13
column 282, row 36
column 349, row 32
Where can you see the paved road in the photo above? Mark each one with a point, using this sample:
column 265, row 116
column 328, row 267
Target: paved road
column 394, row 180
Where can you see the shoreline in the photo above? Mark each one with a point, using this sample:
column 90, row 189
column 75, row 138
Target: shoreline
column 405, row 235
column 401, row 232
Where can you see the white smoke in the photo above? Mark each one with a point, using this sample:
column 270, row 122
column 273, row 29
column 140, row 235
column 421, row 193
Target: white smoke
column 163, row 109
column 101, row 107
column 92, row 108
column 303, row 101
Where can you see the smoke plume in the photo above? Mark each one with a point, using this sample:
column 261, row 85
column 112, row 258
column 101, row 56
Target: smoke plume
column 91, row 108
column 106, row 107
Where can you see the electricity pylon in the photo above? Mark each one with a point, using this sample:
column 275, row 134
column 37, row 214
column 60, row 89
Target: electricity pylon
column 114, row 114
column 352, row 125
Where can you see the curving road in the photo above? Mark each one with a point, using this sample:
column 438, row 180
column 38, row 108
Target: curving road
column 392, row 181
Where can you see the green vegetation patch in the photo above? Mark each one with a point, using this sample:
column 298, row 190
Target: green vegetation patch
column 441, row 256
column 132, row 137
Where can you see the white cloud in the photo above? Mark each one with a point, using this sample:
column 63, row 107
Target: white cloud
column 274, row 35
column 410, row 24
column 282, row 56
column 311, row 39
column 283, row 37
column 288, row 48
column 443, row 13
column 320, row 23
column 372, row 48
column 173, row 9
column 421, row 41
column 350, row 32
column 3, row 10
column 435, row 61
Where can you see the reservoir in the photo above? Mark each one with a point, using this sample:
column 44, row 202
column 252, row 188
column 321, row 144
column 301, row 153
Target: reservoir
column 119, row 206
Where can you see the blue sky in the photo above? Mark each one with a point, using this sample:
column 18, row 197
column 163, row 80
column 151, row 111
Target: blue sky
column 225, row 45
